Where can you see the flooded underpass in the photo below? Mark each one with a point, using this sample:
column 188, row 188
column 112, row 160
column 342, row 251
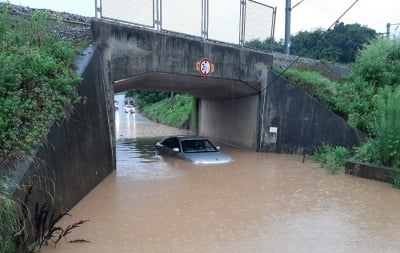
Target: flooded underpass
column 261, row 202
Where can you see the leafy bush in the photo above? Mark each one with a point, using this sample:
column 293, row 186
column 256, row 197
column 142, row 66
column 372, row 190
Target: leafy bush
column 376, row 68
column 331, row 158
column 366, row 153
column 379, row 62
column 355, row 100
column 37, row 82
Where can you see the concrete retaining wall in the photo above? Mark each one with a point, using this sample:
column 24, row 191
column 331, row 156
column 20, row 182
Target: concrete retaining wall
column 79, row 153
column 369, row 171
column 300, row 121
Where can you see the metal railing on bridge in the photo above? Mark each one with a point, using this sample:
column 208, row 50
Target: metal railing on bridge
column 228, row 21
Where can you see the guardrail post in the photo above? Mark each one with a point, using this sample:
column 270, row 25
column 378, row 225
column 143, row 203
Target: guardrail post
column 157, row 10
column 204, row 18
column 97, row 8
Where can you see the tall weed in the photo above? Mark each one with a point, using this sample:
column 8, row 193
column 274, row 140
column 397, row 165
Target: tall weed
column 331, row 158
column 9, row 221
column 387, row 127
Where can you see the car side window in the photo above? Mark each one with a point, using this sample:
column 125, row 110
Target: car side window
column 171, row 143
column 167, row 142
column 175, row 143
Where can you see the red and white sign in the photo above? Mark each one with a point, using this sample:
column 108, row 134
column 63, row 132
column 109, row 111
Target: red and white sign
column 205, row 67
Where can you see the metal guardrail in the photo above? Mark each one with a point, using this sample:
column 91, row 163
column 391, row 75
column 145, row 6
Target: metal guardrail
column 215, row 20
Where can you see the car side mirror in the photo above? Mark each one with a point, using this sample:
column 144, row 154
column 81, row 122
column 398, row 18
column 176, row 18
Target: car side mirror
column 218, row 147
column 175, row 149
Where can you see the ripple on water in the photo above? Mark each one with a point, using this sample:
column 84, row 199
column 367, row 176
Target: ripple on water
column 138, row 160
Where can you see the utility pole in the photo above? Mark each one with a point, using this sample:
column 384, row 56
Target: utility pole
column 388, row 29
column 288, row 10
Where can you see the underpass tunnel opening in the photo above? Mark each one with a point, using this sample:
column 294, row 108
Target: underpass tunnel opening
column 225, row 110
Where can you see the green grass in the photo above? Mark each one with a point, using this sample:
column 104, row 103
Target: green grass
column 173, row 111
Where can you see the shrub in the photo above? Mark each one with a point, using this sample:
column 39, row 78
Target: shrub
column 379, row 62
column 384, row 148
column 331, row 158
column 37, row 82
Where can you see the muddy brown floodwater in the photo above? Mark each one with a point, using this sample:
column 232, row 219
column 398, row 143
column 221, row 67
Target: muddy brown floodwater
column 259, row 203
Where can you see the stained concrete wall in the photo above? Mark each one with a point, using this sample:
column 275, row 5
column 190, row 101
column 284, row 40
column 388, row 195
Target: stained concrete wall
column 234, row 122
column 302, row 123
column 79, row 153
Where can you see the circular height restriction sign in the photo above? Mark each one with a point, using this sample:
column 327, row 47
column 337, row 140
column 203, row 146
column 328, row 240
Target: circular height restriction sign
column 205, row 67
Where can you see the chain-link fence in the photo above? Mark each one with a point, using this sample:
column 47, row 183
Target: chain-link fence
column 230, row 21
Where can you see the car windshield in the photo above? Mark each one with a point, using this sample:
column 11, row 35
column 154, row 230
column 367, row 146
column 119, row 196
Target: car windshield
column 196, row 146
column 129, row 106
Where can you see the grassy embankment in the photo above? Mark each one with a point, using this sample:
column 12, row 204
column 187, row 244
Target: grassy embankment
column 37, row 89
column 177, row 111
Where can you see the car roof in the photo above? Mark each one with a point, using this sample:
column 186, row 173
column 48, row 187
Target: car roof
column 188, row 137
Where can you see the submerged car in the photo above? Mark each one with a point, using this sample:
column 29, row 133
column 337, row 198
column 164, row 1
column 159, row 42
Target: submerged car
column 194, row 149
column 130, row 108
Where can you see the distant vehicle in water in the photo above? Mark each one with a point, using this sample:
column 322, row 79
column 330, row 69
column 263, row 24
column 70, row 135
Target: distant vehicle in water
column 130, row 109
column 195, row 149
column 116, row 104
column 129, row 101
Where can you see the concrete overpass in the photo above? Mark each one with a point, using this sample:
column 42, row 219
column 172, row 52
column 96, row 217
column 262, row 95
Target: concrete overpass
column 144, row 59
